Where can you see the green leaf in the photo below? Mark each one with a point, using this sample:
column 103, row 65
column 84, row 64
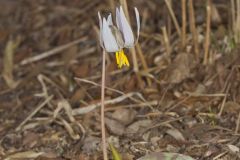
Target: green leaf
column 115, row 154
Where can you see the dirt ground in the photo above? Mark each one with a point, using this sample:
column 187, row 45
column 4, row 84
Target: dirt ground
column 171, row 100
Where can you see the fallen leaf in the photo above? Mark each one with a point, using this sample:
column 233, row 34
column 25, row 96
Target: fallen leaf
column 176, row 134
column 78, row 95
column 114, row 126
column 91, row 144
column 234, row 149
column 80, row 70
column 180, row 68
column 123, row 115
column 135, row 127
column 24, row 155
column 165, row 156
column 8, row 63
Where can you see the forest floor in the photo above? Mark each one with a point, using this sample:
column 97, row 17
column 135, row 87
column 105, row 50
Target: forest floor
column 50, row 83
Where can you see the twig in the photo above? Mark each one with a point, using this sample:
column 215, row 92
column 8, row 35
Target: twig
column 237, row 124
column 193, row 28
column 173, row 17
column 183, row 23
column 34, row 112
column 116, row 91
column 166, row 42
column 144, row 104
column 169, row 22
column 177, row 104
column 192, row 94
column 104, row 144
column 51, row 52
column 237, row 29
column 233, row 9
column 163, row 123
column 89, row 108
column 144, row 63
column 96, row 84
column 207, row 37
column 220, row 155
column 113, row 73
column 224, row 101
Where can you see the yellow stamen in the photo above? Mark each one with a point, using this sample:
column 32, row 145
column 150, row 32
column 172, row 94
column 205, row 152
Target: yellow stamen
column 117, row 57
column 121, row 59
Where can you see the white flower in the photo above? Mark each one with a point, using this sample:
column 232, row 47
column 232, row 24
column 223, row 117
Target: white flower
column 115, row 38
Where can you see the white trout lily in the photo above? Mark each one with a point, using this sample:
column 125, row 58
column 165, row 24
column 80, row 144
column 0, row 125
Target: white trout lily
column 113, row 38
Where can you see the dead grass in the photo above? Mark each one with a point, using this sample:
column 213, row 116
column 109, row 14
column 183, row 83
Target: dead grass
column 181, row 93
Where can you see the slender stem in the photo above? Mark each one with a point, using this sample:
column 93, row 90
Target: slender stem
column 207, row 37
column 183, row 23
column 170, row 9
column 104, row 145
column 193, row 28
column 233, row 10
column 238, row 21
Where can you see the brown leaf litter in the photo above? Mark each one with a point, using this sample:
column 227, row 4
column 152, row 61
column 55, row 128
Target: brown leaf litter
column 50, row 65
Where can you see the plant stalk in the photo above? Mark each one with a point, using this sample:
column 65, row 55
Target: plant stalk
column 104, row 144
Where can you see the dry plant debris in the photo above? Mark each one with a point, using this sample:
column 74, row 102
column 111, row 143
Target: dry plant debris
column 181, row 93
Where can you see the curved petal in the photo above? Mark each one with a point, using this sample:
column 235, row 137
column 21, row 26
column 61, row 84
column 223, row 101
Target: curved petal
column 138, row 22
column 109, row 40
column 100, row 29
column 109, row 20
column 126, row 30
column 118, row 21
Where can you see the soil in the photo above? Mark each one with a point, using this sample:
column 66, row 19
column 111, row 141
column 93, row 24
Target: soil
column 50, row 83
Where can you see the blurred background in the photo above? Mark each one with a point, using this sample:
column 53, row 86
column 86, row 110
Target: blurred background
column 181, row 93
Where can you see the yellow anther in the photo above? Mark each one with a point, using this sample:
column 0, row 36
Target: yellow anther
column 121, row 59
column 117, row 57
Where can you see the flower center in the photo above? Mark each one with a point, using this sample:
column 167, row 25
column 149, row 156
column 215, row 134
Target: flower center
column 121, row 59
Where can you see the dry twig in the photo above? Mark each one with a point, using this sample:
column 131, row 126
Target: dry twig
column 52, row 52
column 184, row 19
column 90, row 108
column 173, row 17
column 34, row 112
column 207, row 36
column 193, row 27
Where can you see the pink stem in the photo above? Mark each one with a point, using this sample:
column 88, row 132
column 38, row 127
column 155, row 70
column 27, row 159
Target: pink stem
column 104, row 145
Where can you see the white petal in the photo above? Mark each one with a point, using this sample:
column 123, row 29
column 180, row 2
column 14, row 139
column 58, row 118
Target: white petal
column 126, row 30
column 109, row 20
column 138, row 22
column 118, row 21
column 109, row 40
column 100, row 29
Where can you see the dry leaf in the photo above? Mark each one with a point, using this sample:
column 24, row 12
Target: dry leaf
column 125, row 116
column 91, row 144
column 24, row 155
column 180, row 68
column 136, row 126
column 8, row 63
column 234, row 149
column 176, row 134
column 78, row 95
column 115, row 127
column 165, row 156
column 80, row 70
